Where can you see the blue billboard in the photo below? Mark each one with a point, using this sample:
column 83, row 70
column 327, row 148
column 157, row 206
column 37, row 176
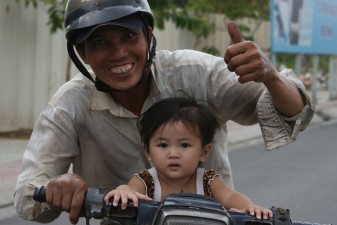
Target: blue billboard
column 304, row 26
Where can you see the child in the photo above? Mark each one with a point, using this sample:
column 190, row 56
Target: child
column 177, row 134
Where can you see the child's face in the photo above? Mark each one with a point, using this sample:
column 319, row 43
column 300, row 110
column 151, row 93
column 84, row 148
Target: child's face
column 175, row 150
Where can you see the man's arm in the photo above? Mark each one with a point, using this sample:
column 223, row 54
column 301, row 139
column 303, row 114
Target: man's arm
column 46, row 162
column 247, row 60
column 285, row 108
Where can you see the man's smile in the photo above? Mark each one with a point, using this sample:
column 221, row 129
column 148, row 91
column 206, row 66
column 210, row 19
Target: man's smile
column 122, row 69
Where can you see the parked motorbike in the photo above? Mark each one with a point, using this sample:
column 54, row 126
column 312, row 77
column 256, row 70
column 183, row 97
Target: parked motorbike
column 176, row 209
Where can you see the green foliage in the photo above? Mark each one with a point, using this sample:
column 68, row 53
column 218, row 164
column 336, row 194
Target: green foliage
column 55, row 10
column 211, row 50
column 289, row 60
column 236, row 9
column 56, row 14
column 186, row 14
column 193, row 14
column 28, row 2
column 286, row 59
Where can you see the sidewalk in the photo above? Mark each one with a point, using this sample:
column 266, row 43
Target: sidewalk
column 11, row 149
column 11, row 152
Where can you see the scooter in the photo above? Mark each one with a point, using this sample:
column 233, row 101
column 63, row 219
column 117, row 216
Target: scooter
column 176, row 209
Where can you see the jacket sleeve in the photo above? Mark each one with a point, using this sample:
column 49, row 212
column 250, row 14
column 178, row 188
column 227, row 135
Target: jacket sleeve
column 276, row 129
column 49, row 153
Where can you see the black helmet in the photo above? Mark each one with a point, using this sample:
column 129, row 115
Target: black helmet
column 83, row 16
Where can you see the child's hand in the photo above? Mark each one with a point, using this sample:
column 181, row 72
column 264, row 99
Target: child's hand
column 257, row 211
column 123, row 193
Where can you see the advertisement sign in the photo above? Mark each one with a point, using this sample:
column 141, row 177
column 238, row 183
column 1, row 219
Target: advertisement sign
column 304, row 26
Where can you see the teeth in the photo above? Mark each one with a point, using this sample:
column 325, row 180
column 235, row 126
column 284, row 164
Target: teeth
column 121, row 69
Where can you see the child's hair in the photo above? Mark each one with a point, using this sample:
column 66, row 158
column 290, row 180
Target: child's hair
column 175, row 109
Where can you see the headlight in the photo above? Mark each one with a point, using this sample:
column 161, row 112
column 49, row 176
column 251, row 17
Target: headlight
column 190, row 216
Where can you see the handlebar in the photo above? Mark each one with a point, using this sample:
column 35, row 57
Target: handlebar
column 183, row 207
column 40, row 194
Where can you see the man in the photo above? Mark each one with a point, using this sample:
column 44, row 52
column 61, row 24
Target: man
column 91, row 123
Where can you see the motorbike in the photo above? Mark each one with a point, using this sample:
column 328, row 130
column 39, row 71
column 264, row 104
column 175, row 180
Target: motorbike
column 176, row 209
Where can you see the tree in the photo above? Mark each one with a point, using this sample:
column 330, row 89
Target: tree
column 192, row 15
column 186, row 14
column 55, row 10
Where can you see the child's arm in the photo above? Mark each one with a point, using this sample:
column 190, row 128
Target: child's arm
column 235, row 201
column 134, row 190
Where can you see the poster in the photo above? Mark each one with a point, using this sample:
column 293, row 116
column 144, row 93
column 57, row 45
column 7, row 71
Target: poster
column 304, row 26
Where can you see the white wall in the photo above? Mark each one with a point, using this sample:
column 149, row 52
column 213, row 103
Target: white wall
column 221, row 40
column 32, row 64
column 33, row 61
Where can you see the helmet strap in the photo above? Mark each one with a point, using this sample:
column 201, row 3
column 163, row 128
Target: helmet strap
column 98, row 83
column 151, row 54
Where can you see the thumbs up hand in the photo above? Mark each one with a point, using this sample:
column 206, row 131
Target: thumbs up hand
column 246, row 59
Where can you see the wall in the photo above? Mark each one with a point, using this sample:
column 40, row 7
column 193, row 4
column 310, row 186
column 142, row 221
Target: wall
column 32, row 64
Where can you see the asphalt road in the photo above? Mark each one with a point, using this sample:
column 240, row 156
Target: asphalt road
column 301, row 176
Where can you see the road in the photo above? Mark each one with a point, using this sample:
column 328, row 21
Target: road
column 301, row 176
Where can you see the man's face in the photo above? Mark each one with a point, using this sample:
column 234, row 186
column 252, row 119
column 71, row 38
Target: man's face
column 117, row 55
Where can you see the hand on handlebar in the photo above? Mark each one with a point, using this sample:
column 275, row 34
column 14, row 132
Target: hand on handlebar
column 257, row 211
column 67, row 192
column 124, row 193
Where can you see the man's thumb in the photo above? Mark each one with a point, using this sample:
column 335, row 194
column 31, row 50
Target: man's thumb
column 234, row 32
